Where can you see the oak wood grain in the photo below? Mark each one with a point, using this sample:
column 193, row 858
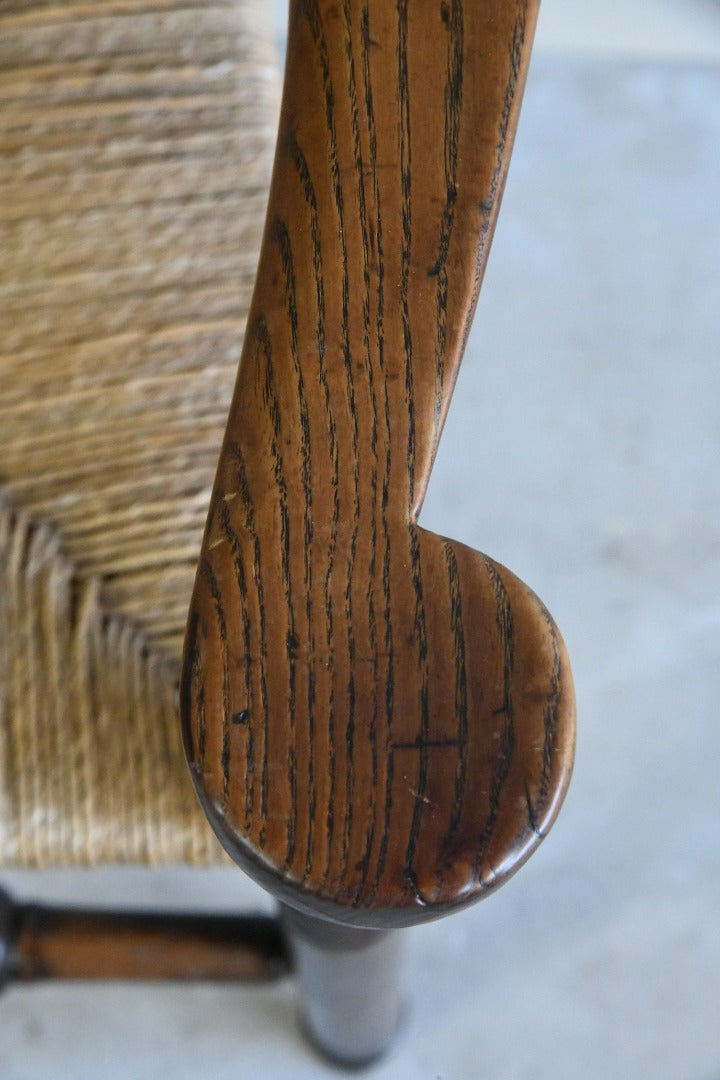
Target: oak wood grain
column 379, row 721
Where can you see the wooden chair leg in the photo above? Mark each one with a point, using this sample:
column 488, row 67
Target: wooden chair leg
column 350, row 986
column 378, row 720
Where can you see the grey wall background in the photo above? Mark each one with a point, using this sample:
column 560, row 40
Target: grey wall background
column 583, row 450
column 655, row 28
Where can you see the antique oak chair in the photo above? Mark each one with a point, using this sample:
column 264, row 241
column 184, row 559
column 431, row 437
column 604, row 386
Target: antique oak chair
column 378, row 721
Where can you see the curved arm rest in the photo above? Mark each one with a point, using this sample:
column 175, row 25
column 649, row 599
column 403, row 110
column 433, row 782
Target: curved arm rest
column 379, row 721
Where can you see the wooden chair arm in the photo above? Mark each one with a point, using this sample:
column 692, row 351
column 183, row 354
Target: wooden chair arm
column 378, row 720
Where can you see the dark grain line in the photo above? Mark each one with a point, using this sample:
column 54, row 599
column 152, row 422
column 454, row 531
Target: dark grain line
column 272, row 405
column 461, row 696
column 424, row 736
column 303, row 172
column 281, row 236
column 207, row 573
column 241, row 578
column 431, row 744
column 249, row 523
column 389, row 707
column 532, row 813
column 316, row 27
column 192, row 684
column 385, row 492
column 405, row 257
column 406, row 247
column 451, row 141
column 551, row 719
column 369, row 370
column 504, row 621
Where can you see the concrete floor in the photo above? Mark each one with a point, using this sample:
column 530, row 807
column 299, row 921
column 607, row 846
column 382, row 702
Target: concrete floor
column 668, row 29
column 582, row 450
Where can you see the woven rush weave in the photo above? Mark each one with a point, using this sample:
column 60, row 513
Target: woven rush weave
column 136, row 143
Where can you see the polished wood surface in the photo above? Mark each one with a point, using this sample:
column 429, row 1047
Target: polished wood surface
column 379, row 721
